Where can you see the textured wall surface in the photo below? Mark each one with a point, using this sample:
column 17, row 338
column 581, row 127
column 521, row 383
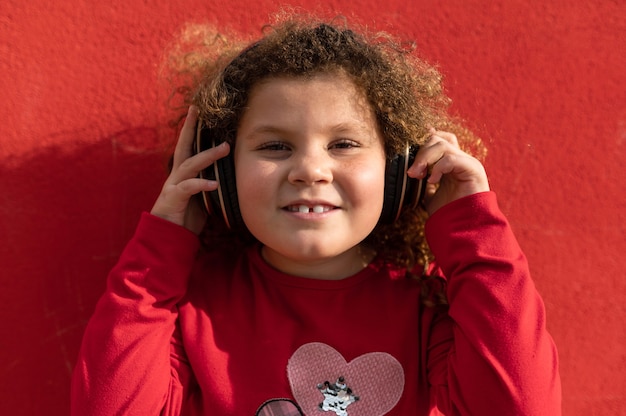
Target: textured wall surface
column 83, row 126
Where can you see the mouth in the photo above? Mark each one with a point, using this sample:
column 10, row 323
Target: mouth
column 304, row 208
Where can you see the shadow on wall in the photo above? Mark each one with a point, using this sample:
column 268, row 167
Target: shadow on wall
column 65, row 216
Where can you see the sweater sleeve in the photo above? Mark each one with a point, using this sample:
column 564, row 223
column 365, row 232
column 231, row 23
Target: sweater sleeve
column 502, row 361
column 124, row 365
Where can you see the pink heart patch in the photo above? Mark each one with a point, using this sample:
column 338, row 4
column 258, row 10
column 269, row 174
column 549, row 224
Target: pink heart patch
column 377, row 379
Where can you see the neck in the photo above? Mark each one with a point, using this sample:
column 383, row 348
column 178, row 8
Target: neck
column 335, row 268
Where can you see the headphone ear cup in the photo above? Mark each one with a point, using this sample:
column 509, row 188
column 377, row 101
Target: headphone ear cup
column 223, row 201
column 391, row 201
column 400, row 190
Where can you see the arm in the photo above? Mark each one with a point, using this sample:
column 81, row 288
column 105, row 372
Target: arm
column 499, row 360
column 502, row 360
column 124, row 362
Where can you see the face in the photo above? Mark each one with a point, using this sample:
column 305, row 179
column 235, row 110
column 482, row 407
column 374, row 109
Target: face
column 310, row 163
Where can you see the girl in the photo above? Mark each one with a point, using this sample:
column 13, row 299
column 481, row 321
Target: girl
column 301, row 294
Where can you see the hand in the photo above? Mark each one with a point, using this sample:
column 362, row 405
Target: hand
column 457, row 173
column 173, row 204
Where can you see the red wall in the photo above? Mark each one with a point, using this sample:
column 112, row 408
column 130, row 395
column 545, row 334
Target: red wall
column 82, row 129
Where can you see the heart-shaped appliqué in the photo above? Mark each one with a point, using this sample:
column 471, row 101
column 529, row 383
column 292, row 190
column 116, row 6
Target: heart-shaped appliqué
column 377, row 379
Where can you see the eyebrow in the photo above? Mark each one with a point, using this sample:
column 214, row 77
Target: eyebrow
column 337, row 128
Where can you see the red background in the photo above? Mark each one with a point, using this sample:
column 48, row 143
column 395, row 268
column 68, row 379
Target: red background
column 84, row 125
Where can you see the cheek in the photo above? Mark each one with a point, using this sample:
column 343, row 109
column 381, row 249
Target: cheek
column 250, row 199
column 255, row 187
column 367, row 186
column 246, row 170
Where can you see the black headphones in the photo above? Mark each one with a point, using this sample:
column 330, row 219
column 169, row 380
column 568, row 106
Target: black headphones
column 401, row 191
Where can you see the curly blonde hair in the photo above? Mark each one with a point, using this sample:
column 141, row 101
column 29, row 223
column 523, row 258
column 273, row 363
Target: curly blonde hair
column 404, row 91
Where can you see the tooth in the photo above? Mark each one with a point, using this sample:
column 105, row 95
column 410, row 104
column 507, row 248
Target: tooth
column 318, row 209
column 303, row 208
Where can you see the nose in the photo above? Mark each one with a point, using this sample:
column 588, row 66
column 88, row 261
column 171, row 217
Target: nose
column 311, row 166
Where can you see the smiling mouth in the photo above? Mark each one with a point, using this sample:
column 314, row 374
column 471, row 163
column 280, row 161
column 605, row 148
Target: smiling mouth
column 318, row 209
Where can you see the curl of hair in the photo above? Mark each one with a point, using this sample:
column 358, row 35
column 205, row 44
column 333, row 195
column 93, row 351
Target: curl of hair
column 406, row 94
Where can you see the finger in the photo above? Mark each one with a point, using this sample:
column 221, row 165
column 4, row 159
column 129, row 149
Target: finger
column 174, row 198
column 445, row 135
column 443, row 166
column 192, row 186
column 460, row 168
column 173, row 202
column 185, row 139
column 428, row 155
column 192, row 166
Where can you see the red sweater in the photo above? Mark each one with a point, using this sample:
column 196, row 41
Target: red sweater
column 185, row 331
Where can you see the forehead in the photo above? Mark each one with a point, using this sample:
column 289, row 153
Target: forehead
column 332, row 94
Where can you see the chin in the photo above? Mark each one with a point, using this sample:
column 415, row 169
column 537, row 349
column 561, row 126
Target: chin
column 311, row 253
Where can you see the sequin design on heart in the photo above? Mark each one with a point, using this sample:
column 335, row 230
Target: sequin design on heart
column 337, row 396
column 377, row 379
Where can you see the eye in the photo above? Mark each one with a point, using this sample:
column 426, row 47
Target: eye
column 274, row 147
column 344, row 144
column 277, row 150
